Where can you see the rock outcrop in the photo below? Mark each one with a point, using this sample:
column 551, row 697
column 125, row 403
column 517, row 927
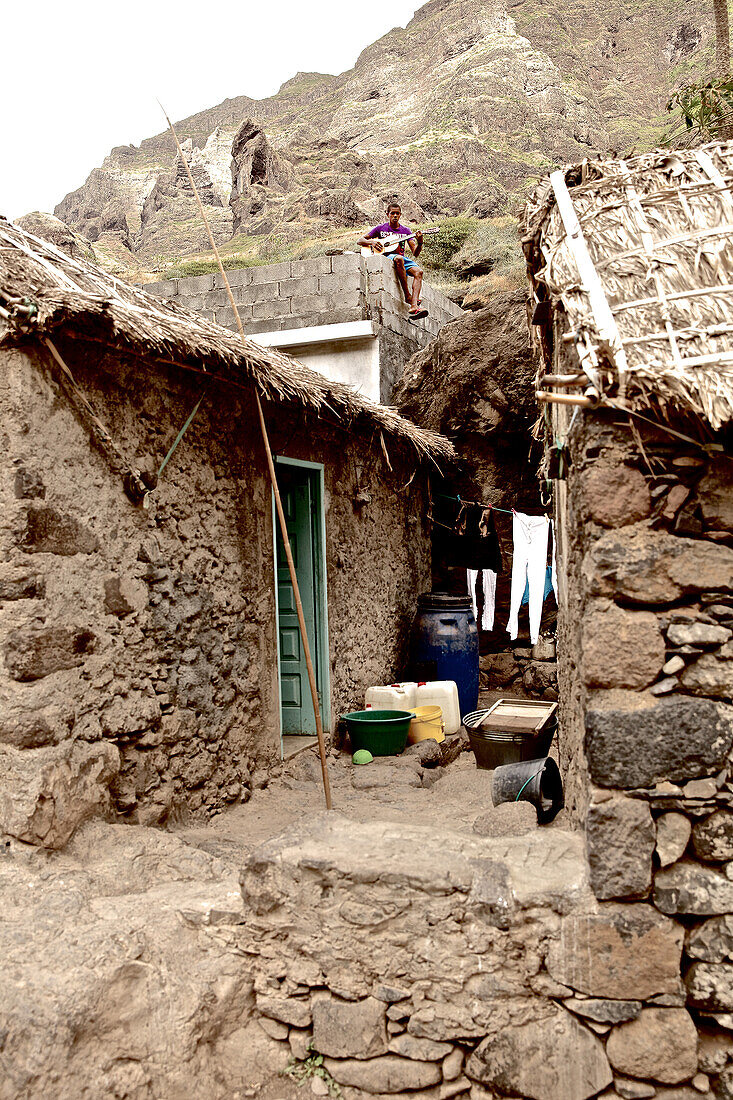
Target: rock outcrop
column 451, row 113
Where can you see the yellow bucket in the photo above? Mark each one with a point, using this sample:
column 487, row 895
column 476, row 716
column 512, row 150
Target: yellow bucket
column 428, row 722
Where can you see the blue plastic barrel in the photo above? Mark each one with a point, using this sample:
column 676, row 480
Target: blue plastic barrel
column 445, row 645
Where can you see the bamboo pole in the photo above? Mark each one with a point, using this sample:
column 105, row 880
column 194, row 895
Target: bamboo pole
column 275, row 488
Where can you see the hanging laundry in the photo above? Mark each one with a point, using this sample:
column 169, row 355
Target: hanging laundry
column 553, row 567
column 549, row 587
column 530, row 534
column 488, row 584
column 472, row 543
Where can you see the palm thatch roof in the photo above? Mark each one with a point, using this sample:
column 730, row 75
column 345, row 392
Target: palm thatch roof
column 639, row 255
column 43, row 290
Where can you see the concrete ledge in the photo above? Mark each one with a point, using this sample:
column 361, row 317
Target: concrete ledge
column 316, row 334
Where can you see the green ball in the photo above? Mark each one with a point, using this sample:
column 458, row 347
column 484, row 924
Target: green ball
column 362, row 756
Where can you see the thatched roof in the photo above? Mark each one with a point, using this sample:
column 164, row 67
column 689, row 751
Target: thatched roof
column 659, row 231
column 43, row 290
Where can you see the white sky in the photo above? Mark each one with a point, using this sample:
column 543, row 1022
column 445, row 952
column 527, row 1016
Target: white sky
column 80, row 76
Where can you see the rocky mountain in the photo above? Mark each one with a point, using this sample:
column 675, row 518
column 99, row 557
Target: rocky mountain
column 453, row 114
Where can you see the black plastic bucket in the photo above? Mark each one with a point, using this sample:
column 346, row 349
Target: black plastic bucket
column 535, row 781
column 494, row 748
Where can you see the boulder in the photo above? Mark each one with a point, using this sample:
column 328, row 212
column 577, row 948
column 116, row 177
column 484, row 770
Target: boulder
column 614, row 494
column 621, row 649
column 673, row 834
column 710, row 986
column 295, row 1011
column 625, row 952
column 506, row 819
column 695, row 633
column 603, row 1011
column 712, row 838
column 715, row 495
column 555, row 1058
column 710, row 674
column 33, row 652
column 620, row 839
column 654, row 567
column 635, row 740
column 19, row 583
column 387, row 1074
column 661, row 1044
column 421, row 1050
column 49, row 531
column 37, row 713
column 46, row 793
column 711, row 941
column 428, row 752
column 349, row 1029
column 690, row 889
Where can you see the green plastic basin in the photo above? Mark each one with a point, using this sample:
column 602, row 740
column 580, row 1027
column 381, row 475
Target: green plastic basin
column 382, row 732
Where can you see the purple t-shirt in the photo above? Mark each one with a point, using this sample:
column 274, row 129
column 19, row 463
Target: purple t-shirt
column 386, row 230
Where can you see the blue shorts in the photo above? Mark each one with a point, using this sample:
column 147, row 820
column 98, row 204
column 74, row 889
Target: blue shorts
column 410, row 265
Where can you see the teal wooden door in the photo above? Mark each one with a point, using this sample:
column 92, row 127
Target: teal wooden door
column 298, row 498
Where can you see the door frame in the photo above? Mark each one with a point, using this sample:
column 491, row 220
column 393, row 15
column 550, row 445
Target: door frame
column 322, row 655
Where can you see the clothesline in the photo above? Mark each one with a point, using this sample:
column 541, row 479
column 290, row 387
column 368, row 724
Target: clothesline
column 479, row 504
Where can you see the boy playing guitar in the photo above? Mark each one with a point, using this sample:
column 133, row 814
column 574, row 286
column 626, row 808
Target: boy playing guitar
column 404, row 265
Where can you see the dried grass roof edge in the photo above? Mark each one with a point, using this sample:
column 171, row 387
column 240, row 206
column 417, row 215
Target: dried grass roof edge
column 66, row 291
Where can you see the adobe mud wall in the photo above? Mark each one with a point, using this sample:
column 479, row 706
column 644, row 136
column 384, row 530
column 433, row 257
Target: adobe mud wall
column 154, row 632
column 325, row 290
column 645, row 549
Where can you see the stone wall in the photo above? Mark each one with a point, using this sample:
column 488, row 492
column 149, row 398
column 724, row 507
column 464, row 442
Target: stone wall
column 645, row 540
column 153, row 631
column 325, row 290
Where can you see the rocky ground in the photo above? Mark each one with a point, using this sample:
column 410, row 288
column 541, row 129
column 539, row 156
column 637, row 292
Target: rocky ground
column 119, row 979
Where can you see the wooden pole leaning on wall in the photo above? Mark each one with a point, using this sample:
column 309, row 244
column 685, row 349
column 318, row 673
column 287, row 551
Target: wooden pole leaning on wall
column 275, row 489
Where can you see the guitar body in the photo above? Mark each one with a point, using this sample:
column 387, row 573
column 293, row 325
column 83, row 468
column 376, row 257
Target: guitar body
column 387, row 246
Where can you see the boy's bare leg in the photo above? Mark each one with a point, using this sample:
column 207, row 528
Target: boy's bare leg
column 416, row 288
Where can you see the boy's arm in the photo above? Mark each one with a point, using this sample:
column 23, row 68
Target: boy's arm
column 369, row 241
column 416, row 244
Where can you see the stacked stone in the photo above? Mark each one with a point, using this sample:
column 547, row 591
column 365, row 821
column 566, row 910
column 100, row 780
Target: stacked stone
column 646, row 678
column 529, row 671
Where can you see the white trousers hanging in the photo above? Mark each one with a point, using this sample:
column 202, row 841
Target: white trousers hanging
column 488, row 581
column 529, row 566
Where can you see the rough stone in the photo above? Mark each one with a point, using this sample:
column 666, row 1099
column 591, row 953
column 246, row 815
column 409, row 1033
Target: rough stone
column 420, row 1050
column 633, row 1090
column 700, row 788
column 615, row 494
column 295, row 1011
column 17, row 583
column 50, row 532
column 714, row 1049
column 711, row 941
column 698, row 634
column 274, row 1028
column 34, row 652
column 507, row 819
column 710, row 986
column 673, row 834
column 555, row 1058
column 712, row 838
column 621, row 649
column 300, row 1040
column 46, row 793
column 634, row 740
column 386, row 1074
column 691, row 889
column 349, row 1029
column 673, row 665
column 602, row 1010
column 452, row 1065
column 715, row 496
column 665, row 686
column 428, row 752
column 620, row 839
column 539, row 677
column 661, row 1044
column 623, row 952
column 710, row 674
column 654, row 567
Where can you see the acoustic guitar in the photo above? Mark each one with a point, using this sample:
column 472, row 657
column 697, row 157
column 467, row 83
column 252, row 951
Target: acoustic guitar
column 390, row 244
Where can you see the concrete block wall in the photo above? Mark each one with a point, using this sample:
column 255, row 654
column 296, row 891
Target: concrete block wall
column 324, row 290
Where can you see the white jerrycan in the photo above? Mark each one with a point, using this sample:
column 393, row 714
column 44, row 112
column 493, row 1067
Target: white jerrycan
column 443, row 694
column 392, row 696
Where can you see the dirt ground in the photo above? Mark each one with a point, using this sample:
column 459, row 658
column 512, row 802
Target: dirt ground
column 395, row 788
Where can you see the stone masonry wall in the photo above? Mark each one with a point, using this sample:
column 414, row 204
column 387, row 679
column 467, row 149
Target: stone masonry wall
column 325, row 290
column 152, row 632
column 645, row 647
